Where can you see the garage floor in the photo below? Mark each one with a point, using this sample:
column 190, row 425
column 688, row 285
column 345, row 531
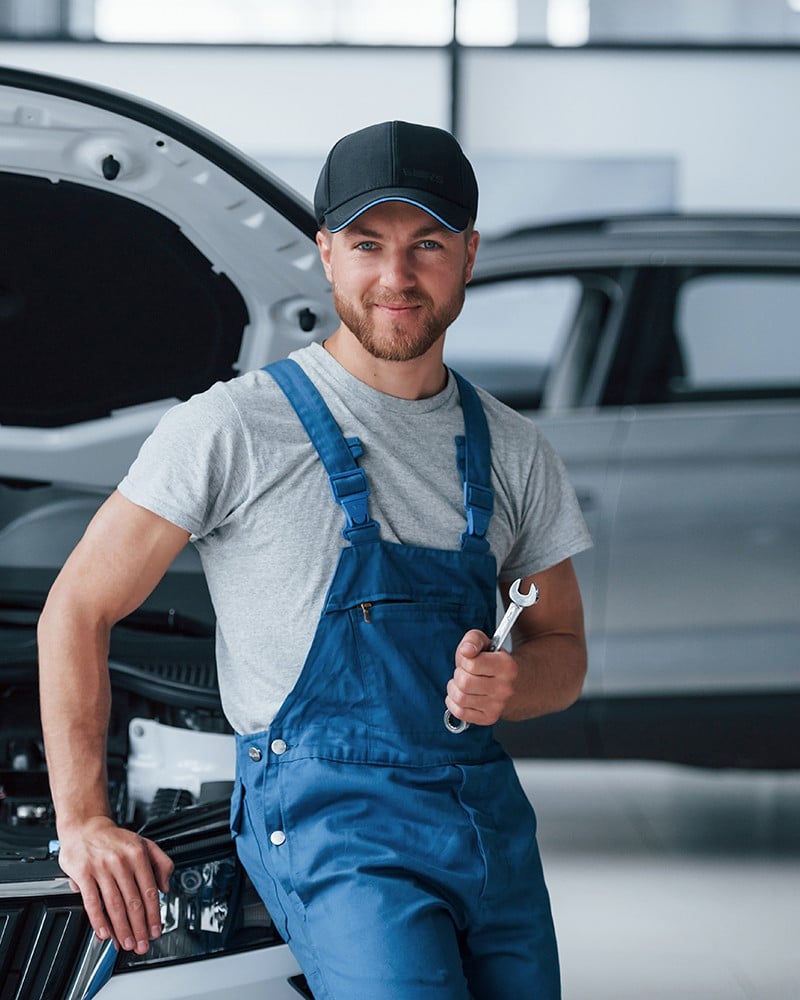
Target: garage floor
column 669, row 883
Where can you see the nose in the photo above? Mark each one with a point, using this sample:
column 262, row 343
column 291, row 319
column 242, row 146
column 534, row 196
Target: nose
column 398, row 273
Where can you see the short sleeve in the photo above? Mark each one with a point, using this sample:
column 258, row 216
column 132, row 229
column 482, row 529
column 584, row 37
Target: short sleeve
column 552, row 527
column 194, row 469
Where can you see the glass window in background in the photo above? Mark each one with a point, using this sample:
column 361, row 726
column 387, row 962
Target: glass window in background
column 510, row 333
column 737, row 335
column 628, row 22
column 565, row 23
column 254, row 22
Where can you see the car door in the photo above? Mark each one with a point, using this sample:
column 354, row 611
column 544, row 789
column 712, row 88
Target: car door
column 534, row 340
column 702, row 584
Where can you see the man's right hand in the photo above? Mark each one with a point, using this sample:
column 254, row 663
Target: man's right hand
column 118, row 874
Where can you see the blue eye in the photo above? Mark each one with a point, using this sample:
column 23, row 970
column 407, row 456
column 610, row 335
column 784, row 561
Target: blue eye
column 430, row 245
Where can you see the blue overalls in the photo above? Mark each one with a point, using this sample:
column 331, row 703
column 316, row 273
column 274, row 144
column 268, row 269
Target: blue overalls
column 397, row 859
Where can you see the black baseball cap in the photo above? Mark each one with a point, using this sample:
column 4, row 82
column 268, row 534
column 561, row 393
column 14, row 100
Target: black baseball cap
column 397, row 161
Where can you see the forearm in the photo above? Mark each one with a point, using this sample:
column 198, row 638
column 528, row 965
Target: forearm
column 120, row 559
column 551, row 671
column 122, row 556
column 117, row 872
column 75, row 703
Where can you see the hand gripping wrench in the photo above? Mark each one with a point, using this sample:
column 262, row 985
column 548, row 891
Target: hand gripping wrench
column 518, row 602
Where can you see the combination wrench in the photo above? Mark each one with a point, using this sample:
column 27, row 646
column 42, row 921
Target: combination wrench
column 518, row 602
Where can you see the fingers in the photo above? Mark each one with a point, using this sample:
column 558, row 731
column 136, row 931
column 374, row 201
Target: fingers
column 471, row 646
column 93, row 905
column 482, row 682
column 130, row 899
column 119, row 875
column 162, row 865
column 124, row 911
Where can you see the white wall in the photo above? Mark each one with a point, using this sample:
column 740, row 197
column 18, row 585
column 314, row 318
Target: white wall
column 697, row 129
column 728, row 120
column 264, row 100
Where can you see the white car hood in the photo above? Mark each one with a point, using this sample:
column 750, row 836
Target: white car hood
column 143, row 260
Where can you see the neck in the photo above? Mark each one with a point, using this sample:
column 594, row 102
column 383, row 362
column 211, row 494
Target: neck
column 419, row 378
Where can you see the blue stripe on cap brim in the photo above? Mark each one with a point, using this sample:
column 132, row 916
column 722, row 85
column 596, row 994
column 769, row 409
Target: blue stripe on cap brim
column 408, row 201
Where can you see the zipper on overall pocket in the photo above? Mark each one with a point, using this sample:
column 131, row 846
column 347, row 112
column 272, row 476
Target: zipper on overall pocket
column 366, row 607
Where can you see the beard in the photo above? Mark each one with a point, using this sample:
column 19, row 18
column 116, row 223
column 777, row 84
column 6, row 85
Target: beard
column 402, row 340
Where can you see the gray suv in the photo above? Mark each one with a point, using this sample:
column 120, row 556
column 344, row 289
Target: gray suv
column 661, row 357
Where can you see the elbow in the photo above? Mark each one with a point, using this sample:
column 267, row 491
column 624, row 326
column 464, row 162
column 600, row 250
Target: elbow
column 54, row 616
column 572, row 670
column 45, row 626
column 66, row 622
column 576, row 675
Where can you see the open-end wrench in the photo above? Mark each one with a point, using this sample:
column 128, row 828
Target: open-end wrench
column 518, row 602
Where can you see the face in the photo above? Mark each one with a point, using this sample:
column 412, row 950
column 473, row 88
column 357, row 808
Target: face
column 398, row 278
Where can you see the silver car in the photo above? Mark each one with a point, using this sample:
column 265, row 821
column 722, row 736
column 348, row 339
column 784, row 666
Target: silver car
column 660, row 356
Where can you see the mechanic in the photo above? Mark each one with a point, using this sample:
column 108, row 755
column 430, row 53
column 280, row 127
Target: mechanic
column 355, row 508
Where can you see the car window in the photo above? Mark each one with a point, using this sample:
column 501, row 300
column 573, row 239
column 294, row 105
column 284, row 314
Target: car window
column 510, row 333
column 737, row 336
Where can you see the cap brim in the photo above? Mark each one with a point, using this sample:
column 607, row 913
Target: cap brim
column 451, row 216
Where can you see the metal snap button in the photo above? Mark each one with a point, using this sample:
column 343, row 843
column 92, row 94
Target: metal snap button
column 254, row 754
column 278, row 746
column 277, row 837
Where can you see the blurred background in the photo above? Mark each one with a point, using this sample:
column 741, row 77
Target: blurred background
column 567, row 107
column 668, row 881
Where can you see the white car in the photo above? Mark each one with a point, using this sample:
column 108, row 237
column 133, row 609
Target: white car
column 142, row 260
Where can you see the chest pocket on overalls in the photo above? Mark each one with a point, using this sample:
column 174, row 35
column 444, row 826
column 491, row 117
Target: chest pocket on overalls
column 407, row 609
column 406, row 651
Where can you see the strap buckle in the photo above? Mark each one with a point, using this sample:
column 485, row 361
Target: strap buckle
column 350, row 490
column 479, row 505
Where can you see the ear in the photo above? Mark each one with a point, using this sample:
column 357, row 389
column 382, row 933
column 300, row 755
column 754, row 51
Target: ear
column 324, row 240
column 472, row 250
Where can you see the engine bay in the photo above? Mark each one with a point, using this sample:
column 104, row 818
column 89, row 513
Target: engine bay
column 169, row 745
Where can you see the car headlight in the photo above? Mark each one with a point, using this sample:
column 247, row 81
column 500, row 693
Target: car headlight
column 211, row 906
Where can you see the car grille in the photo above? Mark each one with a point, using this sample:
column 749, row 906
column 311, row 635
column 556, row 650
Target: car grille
column 42, row 943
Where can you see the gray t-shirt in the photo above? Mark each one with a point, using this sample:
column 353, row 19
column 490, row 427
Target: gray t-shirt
column 234, row 466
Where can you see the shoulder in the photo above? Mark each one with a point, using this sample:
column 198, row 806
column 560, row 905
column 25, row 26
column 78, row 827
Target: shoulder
column 225, row 418
column 231, row 401
column 510, row 429
column 522, row 456
column 248, row 390
column 501, row 413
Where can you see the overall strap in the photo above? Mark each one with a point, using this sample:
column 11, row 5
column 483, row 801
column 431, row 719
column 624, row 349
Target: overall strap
column 347, row 481
column 474, row 455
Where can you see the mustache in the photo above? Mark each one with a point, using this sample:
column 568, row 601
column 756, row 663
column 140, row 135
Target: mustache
column 403, row 299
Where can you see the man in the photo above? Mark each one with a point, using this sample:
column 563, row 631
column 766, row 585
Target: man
column 354, row 508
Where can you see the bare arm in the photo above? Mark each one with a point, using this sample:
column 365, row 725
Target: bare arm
column 120, row 559
column 547, row 666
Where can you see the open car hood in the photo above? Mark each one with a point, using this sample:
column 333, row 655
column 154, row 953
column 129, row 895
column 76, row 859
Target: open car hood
column 143, row 259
